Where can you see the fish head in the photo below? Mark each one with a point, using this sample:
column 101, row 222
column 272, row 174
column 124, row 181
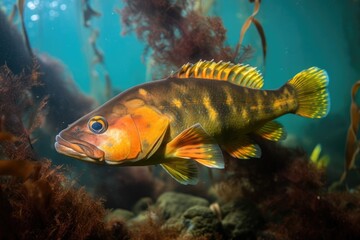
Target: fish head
column 100, row 139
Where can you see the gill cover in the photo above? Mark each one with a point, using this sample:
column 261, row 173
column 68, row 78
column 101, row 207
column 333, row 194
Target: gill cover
column 136, row 135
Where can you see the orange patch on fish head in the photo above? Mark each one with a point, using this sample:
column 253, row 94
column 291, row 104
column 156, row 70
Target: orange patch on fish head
column 100, row 139
column 121, row 141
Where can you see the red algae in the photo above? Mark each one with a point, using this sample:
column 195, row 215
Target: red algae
column 46, row 205
column 290, row 193
column 176, row 32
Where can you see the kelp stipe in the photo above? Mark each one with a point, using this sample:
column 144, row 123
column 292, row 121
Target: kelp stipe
column 352, row 146
column 259, row 29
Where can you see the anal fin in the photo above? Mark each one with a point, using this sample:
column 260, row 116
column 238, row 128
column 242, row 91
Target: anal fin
column 194, row 143
column 182, row 170
column 272, row 131
column 242, row 147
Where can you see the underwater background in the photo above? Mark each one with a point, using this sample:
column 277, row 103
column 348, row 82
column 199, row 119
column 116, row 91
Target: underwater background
column 88, row 51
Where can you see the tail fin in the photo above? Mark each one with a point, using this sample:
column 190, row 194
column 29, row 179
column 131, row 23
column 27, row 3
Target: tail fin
column 311, row 92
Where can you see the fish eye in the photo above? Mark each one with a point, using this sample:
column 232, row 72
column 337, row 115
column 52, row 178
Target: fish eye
column 98, row 124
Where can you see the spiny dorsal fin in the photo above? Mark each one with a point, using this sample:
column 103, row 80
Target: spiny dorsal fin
column 239, row 74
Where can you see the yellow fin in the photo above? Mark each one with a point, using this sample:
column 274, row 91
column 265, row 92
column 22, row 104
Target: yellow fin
column 272, row 131
column 194, row 143
column 312, row 93
column 242, row 148
column 182, row 170
column 239, row 74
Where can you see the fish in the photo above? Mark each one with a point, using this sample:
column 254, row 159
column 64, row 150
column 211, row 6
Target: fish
column 193, row 117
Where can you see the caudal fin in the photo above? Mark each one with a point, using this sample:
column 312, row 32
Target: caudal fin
column 311, row 92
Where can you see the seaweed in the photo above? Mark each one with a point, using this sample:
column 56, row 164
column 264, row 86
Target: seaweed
column 259, row 29
column 176, row 32
column 20, row 6
column 352, row 146
column 88, row 12
column 152, row 229
column 38, row 202
column 99, row 58
column 290, row 193
column 15, row 102
column 63, row 95
column 13, row 13
column 51, row 86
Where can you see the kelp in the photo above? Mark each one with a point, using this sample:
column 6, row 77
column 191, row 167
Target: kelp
column 13, row 13
column 258, row 26
column 99, row 58
column 99, row 55
column 352, row 146
column 20, row 6
column 88, row 12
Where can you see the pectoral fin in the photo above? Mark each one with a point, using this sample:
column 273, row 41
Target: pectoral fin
column 182, row 170
column 242, row 147
column 194, row 143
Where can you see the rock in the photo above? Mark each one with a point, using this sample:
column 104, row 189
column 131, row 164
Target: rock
column 142, row 205
column 200, row 221
column 175, row 204
column 119, row 215
column 241, row 220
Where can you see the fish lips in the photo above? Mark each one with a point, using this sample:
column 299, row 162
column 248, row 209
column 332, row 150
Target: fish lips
column 79, row 149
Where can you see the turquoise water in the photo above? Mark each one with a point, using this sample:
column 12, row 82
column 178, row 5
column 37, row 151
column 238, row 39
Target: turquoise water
column 299, row 34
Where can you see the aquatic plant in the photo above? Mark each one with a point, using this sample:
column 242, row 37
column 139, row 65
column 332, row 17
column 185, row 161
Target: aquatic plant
column 20, row 7
column 51, row 81
column 352, row 146
column 15, row 102
column 252, row 20
column 64, row 95
column 179, row 32
column 38, row 202
column 289, row 191
column 320, row 162
column 88, row 12
column 175, row 31
column 98, row 56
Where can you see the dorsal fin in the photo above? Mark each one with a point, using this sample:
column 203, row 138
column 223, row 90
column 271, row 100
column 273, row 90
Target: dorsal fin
column 239, row 74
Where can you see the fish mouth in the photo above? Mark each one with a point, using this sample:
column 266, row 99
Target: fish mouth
column 79, row 149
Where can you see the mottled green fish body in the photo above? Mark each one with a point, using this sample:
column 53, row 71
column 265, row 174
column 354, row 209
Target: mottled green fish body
column 193, row 116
